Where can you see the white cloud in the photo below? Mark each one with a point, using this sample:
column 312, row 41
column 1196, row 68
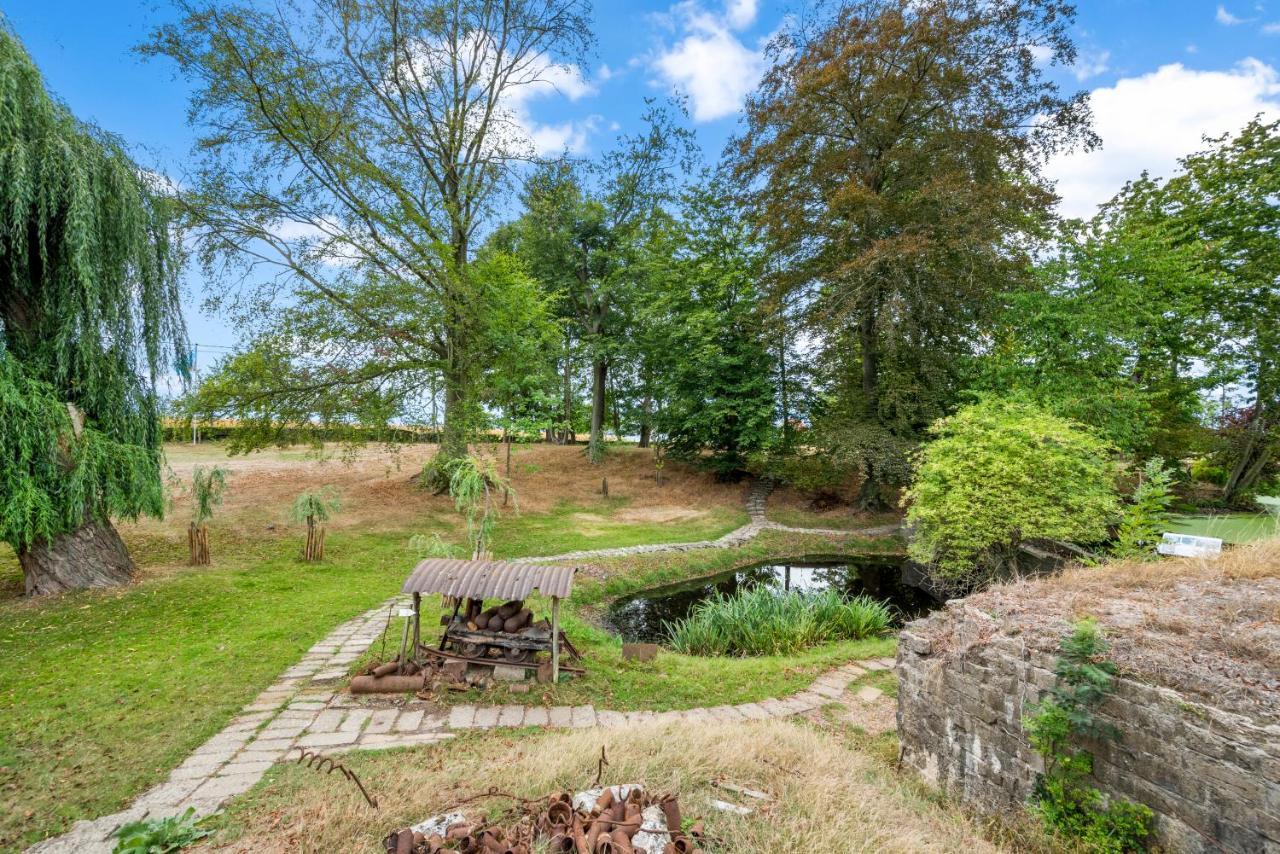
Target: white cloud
column 1272, row 29
column 1091, row 65
column 740, row 13
column 1041, row 54
column 545, row 79
column 710, row 64
column 1222, row 16
column 1148, row 122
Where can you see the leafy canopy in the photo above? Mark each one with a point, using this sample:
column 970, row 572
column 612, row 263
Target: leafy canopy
column 999, row 473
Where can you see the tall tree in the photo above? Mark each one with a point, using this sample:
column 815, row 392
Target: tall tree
column 1121, row 331
column 706, row 337
column 1226, row 199
column 350, row 153
column 892, row 156
column 584, row 230
column 89, row 305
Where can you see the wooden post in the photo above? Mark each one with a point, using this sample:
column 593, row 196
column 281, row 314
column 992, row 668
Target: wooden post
column 555, row 640
column 417, row 624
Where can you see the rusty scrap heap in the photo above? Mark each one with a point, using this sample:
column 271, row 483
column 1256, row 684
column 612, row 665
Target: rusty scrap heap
column 614, row 824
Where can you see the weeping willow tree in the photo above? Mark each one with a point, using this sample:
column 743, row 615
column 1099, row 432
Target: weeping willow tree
column 89, row 305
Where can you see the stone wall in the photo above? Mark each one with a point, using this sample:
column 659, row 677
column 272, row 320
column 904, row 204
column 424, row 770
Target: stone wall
column 965, row 679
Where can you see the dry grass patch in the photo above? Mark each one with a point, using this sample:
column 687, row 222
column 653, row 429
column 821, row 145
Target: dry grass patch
column 828, row 796
column 1209, row 627
column 380, row 492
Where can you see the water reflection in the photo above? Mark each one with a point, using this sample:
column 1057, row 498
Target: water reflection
column 641, row 618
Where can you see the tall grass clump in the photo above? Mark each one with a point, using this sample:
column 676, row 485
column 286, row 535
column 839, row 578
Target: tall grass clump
column 761, row 621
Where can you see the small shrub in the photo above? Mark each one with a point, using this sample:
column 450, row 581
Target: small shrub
column 207, row 488
column 474, row 484
column 997, row 474
column 159, row 835
column 1146, row 517
column 1204, row 469
column 761, row 621
column 1063, row 799
column 315, row 507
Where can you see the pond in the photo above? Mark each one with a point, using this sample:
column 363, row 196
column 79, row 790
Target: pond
column 641, row 617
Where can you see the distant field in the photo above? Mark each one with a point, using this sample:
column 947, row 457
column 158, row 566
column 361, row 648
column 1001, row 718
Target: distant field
column 1229, row 527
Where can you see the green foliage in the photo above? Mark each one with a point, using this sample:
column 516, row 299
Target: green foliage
column 474, row 484
column 207, row 487
column 430, row 545
column 316, row 505
column 1063, row 801
column 1205, row 470
column 999, row 473
column 1146, row 516
column 89, row 311
column 703, row 335
column 762, row 621
column 159, row 835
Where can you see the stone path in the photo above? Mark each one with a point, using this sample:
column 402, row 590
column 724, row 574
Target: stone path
column 304, row 709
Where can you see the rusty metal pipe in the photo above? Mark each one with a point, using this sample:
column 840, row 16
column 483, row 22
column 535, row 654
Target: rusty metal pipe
column 622, row 842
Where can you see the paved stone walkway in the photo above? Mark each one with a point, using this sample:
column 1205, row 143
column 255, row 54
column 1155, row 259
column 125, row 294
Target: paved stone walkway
column 305, row 709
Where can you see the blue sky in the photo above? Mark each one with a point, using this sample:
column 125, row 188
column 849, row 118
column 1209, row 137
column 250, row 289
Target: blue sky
column 1162, row 75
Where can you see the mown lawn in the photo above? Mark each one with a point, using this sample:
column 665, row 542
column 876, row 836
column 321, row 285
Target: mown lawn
column 1229, row 527
column 101, row 693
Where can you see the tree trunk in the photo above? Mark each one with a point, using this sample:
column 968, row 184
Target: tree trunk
column 646, row 417
column 870, row 363
column 92, row 555
column 599, row 376
column 566, row 433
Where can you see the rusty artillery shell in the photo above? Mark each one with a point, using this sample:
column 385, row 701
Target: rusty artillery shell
column 669, row 848
column 496, row 622
column 682, row 843
column 457, row 830
column 670, row 807
column 560, row 843
column 697, row 830
column 604, row 843
column 559, row 814
column 385, row 669
column 580, row 845
column 386, row 684
column 518, row 848
column 604, row 801
column 404, row 842
column 510, row 609
column 622, row 841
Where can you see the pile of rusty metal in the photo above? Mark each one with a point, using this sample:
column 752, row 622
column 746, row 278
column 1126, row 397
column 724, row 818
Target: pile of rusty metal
column 621, row 820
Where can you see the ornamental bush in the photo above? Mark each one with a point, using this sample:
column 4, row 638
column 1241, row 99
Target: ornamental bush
column 997, row 474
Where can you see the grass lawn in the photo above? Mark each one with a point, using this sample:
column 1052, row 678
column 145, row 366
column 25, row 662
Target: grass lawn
column 672, row 681
column 101, row 693
column 842, row 521
column 1229, row 527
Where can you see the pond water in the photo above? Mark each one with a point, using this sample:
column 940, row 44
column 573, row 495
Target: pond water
column 641, row 617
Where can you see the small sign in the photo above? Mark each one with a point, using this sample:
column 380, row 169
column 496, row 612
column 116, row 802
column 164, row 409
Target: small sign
column 1188, row 545
column 404, row 612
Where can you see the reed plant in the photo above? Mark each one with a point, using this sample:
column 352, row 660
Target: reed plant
column 762, row 621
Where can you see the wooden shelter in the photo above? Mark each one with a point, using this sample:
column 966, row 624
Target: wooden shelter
column 462, row 580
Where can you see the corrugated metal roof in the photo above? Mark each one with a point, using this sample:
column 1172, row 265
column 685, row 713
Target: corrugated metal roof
column 488, row 579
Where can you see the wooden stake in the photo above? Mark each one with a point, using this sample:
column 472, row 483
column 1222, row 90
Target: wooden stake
column 555, row 641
